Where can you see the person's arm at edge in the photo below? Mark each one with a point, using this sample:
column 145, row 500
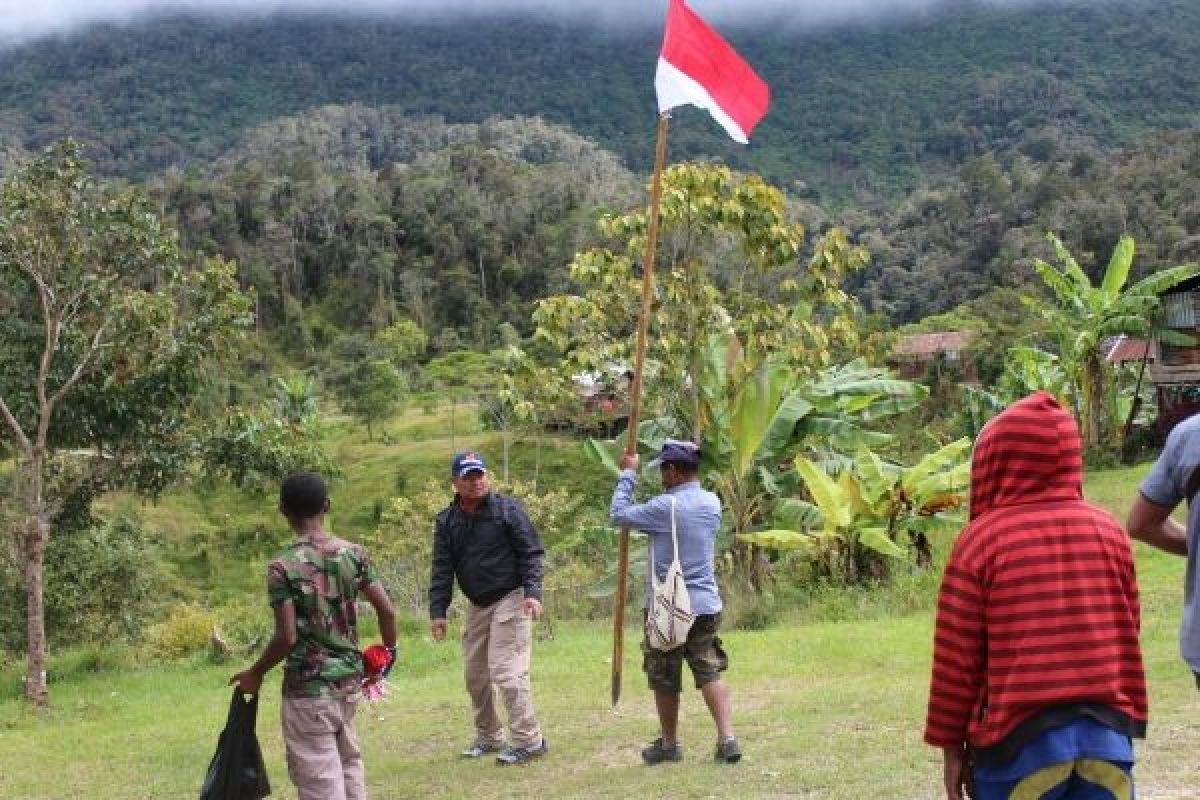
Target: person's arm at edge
column 282, row 642
column 1151, row 523
column 955, row 771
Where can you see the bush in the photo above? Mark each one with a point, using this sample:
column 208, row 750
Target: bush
column 98, row 584
column 243, row 627
column 748, row 610
column 186, row 631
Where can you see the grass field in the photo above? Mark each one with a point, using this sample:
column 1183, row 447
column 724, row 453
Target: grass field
column 825, row 710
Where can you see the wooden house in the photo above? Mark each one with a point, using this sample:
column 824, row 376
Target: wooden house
column 917, row 354
column 1176, row 372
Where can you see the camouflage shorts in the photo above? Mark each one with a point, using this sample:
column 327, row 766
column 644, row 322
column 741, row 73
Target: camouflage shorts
column 705, row 657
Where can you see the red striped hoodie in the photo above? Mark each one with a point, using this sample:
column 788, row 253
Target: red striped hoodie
column 1038, row 614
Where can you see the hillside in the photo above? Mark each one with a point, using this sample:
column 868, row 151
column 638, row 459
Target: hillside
column 861, row 113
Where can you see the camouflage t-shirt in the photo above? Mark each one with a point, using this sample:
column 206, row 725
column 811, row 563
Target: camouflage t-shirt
column 322, row 578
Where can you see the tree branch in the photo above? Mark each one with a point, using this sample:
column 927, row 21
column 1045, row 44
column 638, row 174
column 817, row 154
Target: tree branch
column 80, row 368
column 51, row 323
column 18, row 433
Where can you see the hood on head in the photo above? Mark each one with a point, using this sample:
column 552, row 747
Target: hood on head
column 1030, row 453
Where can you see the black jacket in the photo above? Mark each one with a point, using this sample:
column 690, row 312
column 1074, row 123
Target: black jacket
column 490, row 552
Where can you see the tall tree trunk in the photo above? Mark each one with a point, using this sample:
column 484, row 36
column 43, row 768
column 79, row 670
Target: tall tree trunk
column 36, row 538
column 537, row 459
column 1094, row 404
column 506, row 441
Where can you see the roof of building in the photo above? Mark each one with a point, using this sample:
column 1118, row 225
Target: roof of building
column 1126, row 348
column 928, row 344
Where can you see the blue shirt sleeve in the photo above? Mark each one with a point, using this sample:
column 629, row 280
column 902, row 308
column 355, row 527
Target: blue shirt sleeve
column 1164, row 484
column 650, row 517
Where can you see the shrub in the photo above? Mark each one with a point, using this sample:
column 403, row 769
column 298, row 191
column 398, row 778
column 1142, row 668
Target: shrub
column 99, row 580
column 186, row 631
column 243, row 627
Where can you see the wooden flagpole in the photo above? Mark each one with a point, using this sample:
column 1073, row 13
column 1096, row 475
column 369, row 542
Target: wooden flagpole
column 635, row 390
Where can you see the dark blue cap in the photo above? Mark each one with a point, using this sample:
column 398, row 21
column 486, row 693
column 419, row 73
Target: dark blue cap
column 675, row 451
column 467, row 461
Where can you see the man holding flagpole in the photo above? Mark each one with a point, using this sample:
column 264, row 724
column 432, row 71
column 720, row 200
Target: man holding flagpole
column 695, row 67
column 685, row 516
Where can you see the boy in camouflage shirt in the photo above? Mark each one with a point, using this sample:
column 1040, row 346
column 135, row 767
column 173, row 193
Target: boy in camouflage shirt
column 313, row 586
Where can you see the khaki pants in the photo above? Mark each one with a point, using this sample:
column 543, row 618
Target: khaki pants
column 497, row 642
column 323, row 757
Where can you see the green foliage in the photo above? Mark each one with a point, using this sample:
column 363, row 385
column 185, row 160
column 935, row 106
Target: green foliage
column 403, row 341
column 296, row 402
column 729, row 264
column 1083, row 315
column 402, row 544
column 373, row 391
column 871, row 509
column 186, row 631
column 102, row 582
column 372, row 212
column 256, row 450
column 878, row 106
column 462, row 369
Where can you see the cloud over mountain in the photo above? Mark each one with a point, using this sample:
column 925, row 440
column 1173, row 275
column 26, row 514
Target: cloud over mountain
column 36, row 18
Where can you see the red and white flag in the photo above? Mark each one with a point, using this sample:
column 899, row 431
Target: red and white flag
column 697, row 67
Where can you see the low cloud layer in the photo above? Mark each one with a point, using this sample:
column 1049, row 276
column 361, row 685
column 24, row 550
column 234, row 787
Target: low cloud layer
column 37, row 17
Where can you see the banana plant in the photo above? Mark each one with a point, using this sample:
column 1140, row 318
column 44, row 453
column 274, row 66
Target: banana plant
column 756, row 414
column 1083, row 315
column 870, row 510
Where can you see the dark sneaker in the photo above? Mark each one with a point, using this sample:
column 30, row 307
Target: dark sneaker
column 515, row 756
column 478, row 749
column 657, row 753
column 728, row 751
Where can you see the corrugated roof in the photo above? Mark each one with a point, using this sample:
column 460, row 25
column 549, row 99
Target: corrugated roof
column 1126, row 348
column 928, row 344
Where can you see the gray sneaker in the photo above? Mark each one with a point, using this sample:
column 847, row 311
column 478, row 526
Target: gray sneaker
column 728, row 751
column 657, row 753
column 479, row 749
column 515, row 756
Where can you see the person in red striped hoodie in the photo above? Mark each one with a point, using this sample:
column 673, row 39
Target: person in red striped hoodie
column 1038, row 686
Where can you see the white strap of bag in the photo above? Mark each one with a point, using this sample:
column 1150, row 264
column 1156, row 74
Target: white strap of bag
column 674, row 546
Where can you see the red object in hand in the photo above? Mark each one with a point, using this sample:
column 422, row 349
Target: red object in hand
column 376, row 659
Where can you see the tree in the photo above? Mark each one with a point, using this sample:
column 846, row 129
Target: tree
column 106, row 340
column 374, row 390
column 1083, row 315
column 403, row 342
column 731, row 263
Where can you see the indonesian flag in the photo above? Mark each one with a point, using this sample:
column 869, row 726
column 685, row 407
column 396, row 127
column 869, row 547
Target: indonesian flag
column 697, row 67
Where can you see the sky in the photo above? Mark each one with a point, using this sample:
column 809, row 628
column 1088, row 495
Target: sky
column 22, row 19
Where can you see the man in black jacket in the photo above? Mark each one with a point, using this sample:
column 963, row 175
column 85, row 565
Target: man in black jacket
column 485, row 540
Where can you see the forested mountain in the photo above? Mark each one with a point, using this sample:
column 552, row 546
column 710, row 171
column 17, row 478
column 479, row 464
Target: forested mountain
column 348, row 217
column 860, row 114
column 950, row 243
column 360, row 169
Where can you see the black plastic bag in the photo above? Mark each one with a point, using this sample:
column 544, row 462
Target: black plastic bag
column 236, row 771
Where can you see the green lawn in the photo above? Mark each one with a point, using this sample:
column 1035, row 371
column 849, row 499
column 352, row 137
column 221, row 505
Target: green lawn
column 825, row 710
